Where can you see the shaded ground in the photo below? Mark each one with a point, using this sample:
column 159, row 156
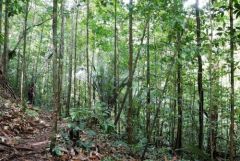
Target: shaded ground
column 23, row 137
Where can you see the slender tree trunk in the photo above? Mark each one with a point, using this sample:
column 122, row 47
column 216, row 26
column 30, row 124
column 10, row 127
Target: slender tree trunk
column 48, row 86
column 118, row 91
column 134, row 67
column 61, row 51
column 6, row 39
column 130, row 79
column 115, row 93
column 23, row 71
column 213, row 106
column 56, row 77
column 1, row 13
column 87, row 54
column 156, row 79
column 69, row 78
column 200, row 77
column 232, row 98
column 174, row 120
column 92, row 69
column 148, row 111
column 75, row 58
column 18, row 71
column 192, row 113
column 210, row 92
column 178, row 144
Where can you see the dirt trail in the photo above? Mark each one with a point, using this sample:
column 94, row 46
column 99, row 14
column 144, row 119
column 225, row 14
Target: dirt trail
column 25, row 138
column 29, row 146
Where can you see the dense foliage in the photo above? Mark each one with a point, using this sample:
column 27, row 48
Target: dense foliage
column 160, row 74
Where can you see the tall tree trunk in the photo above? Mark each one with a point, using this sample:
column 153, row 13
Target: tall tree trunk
column 134, row 67
column 130, row 79
column 192, row 111
column 178, row 144
column 200, row 77
column 75, row 58
column 115, row 93
column 6, row 39
column 232, row 98
column 61, row 51
column 18, row 72
column 148, row 114
column 23, row 71
column 173, row 108
column 213, row 96
column 70, row 76
column 211, row 129
column 1, row 13
column 92, row 69
column 87, row 54
column 56, row 94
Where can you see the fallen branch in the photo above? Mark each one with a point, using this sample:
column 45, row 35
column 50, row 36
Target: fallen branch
column 40, row 143
column 16, row 148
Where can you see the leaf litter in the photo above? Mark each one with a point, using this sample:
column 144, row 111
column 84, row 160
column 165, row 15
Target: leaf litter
column 25, row 137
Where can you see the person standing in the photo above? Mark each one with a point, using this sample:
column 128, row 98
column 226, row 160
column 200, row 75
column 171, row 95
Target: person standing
column 31, row 94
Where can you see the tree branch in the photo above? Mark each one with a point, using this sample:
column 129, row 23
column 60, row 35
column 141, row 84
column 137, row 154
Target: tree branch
column 30, row 27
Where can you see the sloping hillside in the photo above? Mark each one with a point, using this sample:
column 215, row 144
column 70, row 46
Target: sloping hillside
column 22, row 133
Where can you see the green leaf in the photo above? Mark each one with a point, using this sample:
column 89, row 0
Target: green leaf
column 57, row 151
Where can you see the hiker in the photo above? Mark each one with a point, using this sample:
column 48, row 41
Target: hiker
column 31, row 94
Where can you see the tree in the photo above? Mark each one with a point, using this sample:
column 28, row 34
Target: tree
column 130, row 77
column 200, row 76
column 70, row 74
column 232, row 97
column 56, row 77
column 178, row 144
column 148, row 100
column 213, row 98
column 6, row 38
column 1, row 13
column 161, row 68
column 87, row 57
column 75, row 57
column 61, row 50
column 115, row 83
column 23, row 71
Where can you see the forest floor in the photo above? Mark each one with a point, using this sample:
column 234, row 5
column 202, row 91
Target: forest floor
column 25, row 136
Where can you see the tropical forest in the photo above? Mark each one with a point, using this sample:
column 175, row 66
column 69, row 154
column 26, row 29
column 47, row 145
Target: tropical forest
column 119, row 80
